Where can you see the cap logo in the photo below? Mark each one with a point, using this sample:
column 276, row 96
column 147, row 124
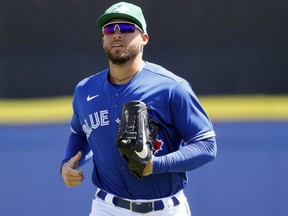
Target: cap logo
column 120, row 9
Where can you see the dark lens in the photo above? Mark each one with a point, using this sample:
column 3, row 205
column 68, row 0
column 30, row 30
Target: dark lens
column 126, row 28
column 109, row 29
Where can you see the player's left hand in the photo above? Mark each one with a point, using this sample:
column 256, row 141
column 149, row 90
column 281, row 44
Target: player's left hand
column 134, row 138
column 149, row 168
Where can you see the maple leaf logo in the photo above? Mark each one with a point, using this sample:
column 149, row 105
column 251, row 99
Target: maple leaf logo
column 158, row 145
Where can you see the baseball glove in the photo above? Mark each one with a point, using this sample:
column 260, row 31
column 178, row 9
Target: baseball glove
column 134, row 139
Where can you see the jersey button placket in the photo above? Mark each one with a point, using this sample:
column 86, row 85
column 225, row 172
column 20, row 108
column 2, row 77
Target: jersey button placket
column 116, row 96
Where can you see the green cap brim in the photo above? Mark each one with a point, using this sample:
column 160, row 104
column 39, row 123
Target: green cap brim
column 105, row 18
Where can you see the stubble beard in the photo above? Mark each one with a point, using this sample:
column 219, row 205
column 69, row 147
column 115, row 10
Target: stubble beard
column 120, row 57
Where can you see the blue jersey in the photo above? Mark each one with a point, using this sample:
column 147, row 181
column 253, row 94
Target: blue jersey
column 97, row 108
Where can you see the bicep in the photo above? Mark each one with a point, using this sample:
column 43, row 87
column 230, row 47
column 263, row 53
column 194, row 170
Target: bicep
column 189, row 117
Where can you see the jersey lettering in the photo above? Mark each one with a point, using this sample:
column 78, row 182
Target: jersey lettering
column 94, row 121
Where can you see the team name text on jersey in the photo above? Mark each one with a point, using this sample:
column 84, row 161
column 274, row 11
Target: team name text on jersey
column 95, row 120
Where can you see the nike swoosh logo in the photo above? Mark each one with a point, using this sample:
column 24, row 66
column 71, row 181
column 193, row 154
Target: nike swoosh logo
column 89, row 98
column 143, row 154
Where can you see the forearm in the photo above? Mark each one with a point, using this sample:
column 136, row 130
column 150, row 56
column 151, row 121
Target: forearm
column 188, row 158
column 76, row 143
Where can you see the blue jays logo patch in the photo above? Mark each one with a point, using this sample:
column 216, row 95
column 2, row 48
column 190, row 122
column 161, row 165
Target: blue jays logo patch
column 158, row 145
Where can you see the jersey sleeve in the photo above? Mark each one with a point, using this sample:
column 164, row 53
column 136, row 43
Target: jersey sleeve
column 190, row 157
column 195, row 128
column 77, row 140
column 190, row 119
column 77, row 143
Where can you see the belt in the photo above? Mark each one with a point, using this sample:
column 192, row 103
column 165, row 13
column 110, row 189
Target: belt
column 139, row 207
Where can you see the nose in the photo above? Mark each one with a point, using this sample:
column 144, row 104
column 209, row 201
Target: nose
column 117, row 33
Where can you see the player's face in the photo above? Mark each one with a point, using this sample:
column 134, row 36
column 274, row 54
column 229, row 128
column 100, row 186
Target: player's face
column 122, row 47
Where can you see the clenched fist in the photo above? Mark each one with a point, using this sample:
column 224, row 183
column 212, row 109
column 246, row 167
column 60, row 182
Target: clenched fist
column 71, row 175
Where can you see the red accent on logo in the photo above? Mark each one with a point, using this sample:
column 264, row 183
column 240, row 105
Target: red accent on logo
column 158, row 145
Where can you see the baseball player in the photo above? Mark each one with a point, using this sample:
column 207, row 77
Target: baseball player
column 142, row 126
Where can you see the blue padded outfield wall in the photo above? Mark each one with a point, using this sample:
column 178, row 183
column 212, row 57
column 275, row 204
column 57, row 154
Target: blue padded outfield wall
column 248, row 178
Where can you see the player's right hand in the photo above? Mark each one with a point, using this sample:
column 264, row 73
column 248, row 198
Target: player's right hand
column 72, row 177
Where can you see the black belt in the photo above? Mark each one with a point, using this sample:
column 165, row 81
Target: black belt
column 139, row 207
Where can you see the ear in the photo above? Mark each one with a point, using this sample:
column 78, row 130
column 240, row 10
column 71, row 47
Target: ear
column 145, row 39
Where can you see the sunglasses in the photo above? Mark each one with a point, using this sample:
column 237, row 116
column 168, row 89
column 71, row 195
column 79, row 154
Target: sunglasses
column 124, row 27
